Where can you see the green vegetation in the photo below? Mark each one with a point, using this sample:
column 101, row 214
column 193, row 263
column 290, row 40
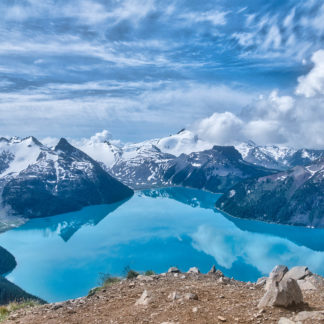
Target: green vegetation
column 106, row 279
column 149, row 273
column 9, row 292
column 130, row 274
column 7, row 261
column 6, row 310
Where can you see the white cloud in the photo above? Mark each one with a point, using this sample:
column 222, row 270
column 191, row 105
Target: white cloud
column 220, row 128
column 215, row 17
column 101, row 137
column 313, row 83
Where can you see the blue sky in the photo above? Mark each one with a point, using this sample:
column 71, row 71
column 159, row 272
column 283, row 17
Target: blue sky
column 147, row 68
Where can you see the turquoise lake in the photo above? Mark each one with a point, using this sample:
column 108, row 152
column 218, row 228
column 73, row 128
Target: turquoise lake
column 62, row 257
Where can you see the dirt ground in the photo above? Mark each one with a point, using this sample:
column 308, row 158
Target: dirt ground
column 172, row 298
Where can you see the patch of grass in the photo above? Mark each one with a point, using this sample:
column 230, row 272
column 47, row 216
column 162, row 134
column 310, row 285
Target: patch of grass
column 14, row 306
column 149, row 273
column 130, row 274
column 106, row 279
column 92, row 291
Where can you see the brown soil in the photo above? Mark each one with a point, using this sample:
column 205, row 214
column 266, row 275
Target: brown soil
column 218, row 302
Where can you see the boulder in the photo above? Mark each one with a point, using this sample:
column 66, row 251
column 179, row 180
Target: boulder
column 194, row 270
column 212, row 270
column 298, row 273
column 173, row 270
column 306, row 285
column 276, row 275
column 283, row 293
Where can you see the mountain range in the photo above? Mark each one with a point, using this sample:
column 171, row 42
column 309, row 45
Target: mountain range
column 37, row 180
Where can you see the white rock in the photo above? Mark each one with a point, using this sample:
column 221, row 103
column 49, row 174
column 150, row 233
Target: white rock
column 174, row 296
column 145, row 299
column 194, row 270
column 276, row 275
column 173, row 270
column 298, row 273
column 191, row 296
column 315, row 316
column 306, row 285
column 284, row 320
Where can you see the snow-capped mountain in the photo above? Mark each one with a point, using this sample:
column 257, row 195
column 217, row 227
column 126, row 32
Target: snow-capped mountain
column 142, row 165
column 150, row 163
column 277, row 157
column 16, row 154
column 215, row 170
column 292, row 197
column 38, row 181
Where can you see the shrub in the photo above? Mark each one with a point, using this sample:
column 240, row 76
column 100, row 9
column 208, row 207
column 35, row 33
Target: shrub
column 106, row 279
column 149, row 273
column 130, row 274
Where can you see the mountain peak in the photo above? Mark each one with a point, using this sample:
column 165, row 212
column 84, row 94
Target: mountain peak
column 63, row 145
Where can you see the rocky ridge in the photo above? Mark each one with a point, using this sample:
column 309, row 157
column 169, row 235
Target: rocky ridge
column 191, row 297
column 40, row 181
column 293, row 197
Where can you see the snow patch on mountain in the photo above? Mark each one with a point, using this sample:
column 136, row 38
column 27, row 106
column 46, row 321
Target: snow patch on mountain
column 18, row 154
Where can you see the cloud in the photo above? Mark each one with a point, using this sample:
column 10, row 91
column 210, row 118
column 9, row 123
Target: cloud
column 288, row 120
column 101, row 137
column 220, row 128
column 313, row 83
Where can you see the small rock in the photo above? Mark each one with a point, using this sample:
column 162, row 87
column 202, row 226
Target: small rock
column 221, row 318
column 190, row 296
column 261, row 282
column 174, row 296
column 284, row 320
column 56, row 306
column 144, row 278
column 173, row 270
column 194, row 270
column 212, row 270
column 145, row 298
column 183, row 277
column 219, row 273
column 195, row 309
column 224, row 280
column 315, row 316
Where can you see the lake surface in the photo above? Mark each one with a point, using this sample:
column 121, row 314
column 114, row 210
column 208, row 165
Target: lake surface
column 62, row 257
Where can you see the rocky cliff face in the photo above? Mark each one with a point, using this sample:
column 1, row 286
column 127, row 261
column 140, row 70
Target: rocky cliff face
column 58, row 180
column 292, row 197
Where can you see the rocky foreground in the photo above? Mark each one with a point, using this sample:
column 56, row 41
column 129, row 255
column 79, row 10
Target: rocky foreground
column 285, row 297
